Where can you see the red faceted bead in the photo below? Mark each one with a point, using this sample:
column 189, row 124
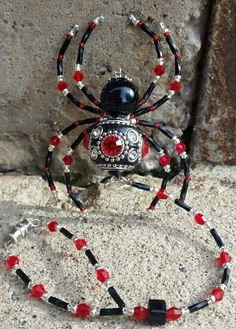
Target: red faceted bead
column 78, row 76
column 141, row 313
column 52, row 226
column 102, row 275
column 161, row 194
column 159, row 70
column 112, row 145
column 164, row 160
column 173, row 314
column 218, row 293
column 68, row 160
column 83, row 310
column 145, row 148
column 180, row 147
column 175, row 86
column 38, row 291
column 55, row 140
column 80, row 243
column 62, row 85
column 225, row 257
column 86, row 141
column 199, row 219
column 12, row 261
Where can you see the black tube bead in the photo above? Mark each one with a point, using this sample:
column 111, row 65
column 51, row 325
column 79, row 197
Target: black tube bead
column 111, row 311
column 217, row 238
column 158, row 49
column 141, row 186
column 91, row 257
column 147, row 30
column 75, row 200
column 66, row 233
column 59, row 67
column 58, row 302
column 115, row 296
column 89, row 95
column 198, row 306
column 64, row 46
column 149, row 90
column 165, row 180
column 48, row 159
column 49, row 178
column 183, row 205
column 165, row 131
column 171, row 44
column 23, row 276
column 225, row 276
column 177, row 66
column 80, row 55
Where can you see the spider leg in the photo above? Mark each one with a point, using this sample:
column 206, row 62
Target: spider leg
column 159, row 69
column 62, row 85
column 174, row 86
column 68, row 161
column 78, row 74
column 179, row 147
column 164, row 160
column 55, row 141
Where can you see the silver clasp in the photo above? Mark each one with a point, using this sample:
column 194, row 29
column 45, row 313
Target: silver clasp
column 20, row 231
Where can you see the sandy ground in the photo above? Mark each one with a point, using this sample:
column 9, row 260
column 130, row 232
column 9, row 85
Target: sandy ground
column 162, row 255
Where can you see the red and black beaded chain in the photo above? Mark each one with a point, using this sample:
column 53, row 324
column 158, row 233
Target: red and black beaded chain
column 156, row 312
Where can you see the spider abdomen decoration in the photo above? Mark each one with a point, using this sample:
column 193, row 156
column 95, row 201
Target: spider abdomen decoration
column 115, row 144
column 114, row 139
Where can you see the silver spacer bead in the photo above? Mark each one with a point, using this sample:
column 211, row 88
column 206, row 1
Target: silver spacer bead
column 95, row 311
column 209, row 225
column 65, row 92
column 80, row 84
column 132, row 19
column 75, row 30
column 185, row 311
column 160, row 61
column 128, row 311
column 60, row 135
column 69, row 151
column 155, row 80
column 45, row 297
column 175, row 139
column 222, row 248
column 107, row 284
column 78, row 67
column 184, row 155
column 15, row 267
column 223, row 286
column 99, row 19
column 66, row 168
column 161, row 153
column 31, row 284
column 170, row 93
column 51, row 148
column 60, row 78
column 167, row 168
column 97, row 266
column 71, row 308
column 211, row 300
column 178, row 78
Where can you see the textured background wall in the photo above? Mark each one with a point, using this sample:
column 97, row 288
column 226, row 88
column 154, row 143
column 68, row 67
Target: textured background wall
column 32, row 34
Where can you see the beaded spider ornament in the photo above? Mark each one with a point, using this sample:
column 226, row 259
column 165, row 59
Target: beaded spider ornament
column 114, row 139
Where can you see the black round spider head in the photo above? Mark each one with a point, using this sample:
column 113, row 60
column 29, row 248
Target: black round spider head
column 119, row 97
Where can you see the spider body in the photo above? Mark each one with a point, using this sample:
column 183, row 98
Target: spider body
column 115, row 139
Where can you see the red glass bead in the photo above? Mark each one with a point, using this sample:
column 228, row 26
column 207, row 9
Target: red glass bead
column 52, row 226
column 141, row 313
column 102, row 275
column 156, row 37
column 151, row 207
column 218, row 293
column 55, row 140
column 53, row 188
column 12, row 261
column 159, row 70
column 86, row 141
column 62, row 85
column 161, row 194
column 83, row 310
column 175, row 86
column 68, row 160
column 93, row 25
column 38, row 291
column 78, row 76
column 139, row 24
column 112, row 145
column 80, row 243
column 173, row 314
column 180, row 147
column 164, row 160
column 145, row 148
column 152, row 108
column 166, row 34
column 225, row 257
column 199, row 219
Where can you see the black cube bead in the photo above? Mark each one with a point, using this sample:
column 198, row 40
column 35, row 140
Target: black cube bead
column 157, row 312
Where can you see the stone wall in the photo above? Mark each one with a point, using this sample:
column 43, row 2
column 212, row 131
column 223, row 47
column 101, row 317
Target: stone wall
column 33, row 32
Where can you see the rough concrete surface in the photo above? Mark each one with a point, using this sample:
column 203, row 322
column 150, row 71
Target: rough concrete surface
column 33, row 32
column 214, row 138
column 150, row 255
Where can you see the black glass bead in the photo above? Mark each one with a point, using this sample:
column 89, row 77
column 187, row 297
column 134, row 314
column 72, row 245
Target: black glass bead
column 119, row 97
column 157, row 312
